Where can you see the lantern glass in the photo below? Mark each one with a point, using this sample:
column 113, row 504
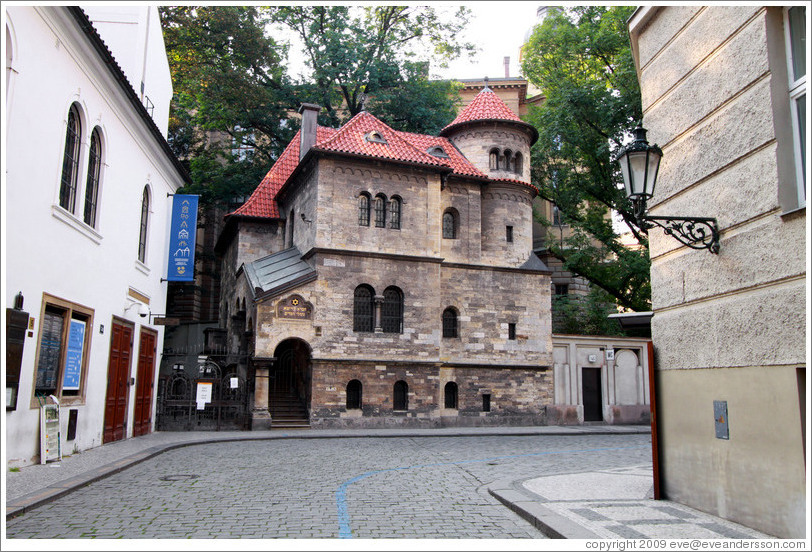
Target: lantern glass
column 638, row 171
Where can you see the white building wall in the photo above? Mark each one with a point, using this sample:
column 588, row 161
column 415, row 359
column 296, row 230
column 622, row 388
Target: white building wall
column 48, row 250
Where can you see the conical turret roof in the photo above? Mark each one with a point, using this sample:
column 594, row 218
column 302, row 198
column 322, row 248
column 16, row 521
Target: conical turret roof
column 487, row 107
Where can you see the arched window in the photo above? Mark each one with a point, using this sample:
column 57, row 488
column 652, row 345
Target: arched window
column 450, row 393
column 363, row 309
column 93, row 175
column 494, row 159
column 508, row 161
column 70, row 161
column 363, row 209
column 450, row 323
column 392, row 311
column 380, row 211
column 354, row 395
column 518, row 163
column 400, row 399
column 449, row 225
column 142, row 235
column 394, row 212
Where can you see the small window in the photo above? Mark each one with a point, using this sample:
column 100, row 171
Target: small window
column 363, row 309
column 450, row 395
column 70, row 161
column 450, row 323
column 493, row 159
column 557, row 219
column 486, row 402
column 363, row 209
column 376, row 137
column 291, row 222
column 93, row 176
column 449, row 225
column 562, row 289
column 511, row 331
column 518, row 163
column 380, row 211
column 437, row 151
column 795, row 24
column 142, row 234
column 392, row 310
column 394, row 212
column 400, row 399
column 509, row 234
column 508, row 166
column 63, row 352
column 354, row 395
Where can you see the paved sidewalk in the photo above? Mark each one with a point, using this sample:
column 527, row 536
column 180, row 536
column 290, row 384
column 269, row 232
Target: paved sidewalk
column 605, row 504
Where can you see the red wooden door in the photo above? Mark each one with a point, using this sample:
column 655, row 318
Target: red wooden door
column 144, row 383
column 118, row 371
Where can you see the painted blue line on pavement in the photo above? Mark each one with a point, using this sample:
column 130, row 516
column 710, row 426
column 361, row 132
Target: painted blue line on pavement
column 344, row 528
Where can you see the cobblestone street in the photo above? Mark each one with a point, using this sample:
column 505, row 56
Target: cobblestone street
column 430, row 487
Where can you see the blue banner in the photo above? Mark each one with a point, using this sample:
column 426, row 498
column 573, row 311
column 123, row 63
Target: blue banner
column 181, row 266
column 73, row 357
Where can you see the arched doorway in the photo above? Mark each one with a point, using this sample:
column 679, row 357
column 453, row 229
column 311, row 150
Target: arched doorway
column 290, row 382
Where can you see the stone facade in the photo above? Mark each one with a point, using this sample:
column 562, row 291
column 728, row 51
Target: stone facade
column 728, row 328
column 500, row 358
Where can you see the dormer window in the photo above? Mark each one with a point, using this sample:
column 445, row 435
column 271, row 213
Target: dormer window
column 376, row 137
column 437, row 151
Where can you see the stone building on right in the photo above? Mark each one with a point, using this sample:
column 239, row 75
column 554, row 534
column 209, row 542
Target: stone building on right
column 724, row 96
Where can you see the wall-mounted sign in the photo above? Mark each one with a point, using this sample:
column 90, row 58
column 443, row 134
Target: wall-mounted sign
column 73, row 355
column 610, row 354
column 720, row 419
column 182, row 233
column 294, row 307
column 204, row 392
column 49, row 445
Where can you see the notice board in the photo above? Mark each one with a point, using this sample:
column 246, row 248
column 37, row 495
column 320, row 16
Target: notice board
column 50, row 446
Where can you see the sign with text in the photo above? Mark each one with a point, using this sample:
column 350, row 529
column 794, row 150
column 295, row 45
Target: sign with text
column 204, row 394
column 295, row 307
column 182, row 232
column 50, row 446
column 73, row 355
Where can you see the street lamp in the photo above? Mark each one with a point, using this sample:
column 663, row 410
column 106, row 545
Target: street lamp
column 639, row 164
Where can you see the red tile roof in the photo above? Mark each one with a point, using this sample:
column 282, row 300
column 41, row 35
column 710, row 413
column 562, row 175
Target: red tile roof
column 485, row 106
column 360, row 135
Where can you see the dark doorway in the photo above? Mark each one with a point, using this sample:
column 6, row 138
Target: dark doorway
column 593, row 399
column 289, row 396
column 118, row 372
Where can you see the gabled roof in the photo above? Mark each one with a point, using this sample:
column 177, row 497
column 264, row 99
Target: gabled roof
column 365, row 136
column 487, row 106
column 278, row 272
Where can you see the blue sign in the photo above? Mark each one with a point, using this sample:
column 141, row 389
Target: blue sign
column 181, row 266
column 73, row 358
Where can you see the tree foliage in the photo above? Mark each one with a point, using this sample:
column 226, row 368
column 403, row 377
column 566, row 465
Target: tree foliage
column 581, row 61
column 235, row 105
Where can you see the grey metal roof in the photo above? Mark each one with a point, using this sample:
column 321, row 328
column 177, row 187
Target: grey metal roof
column 278, row 272
column 534, row 263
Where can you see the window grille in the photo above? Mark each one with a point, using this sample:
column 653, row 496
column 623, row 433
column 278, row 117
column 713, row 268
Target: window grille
column 70, row 161
column 380, row 211
column 363, row 209
column 392, row 311
column 450, row 323
column 142, row 235
column 449, row 226
column 394, row 213
column 451, row 395
column 93, row 174
column 401, row 396
column 362, row 309
column 354, row 395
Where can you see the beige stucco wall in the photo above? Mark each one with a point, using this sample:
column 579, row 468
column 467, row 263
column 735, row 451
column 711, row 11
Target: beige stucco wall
column 729, row 326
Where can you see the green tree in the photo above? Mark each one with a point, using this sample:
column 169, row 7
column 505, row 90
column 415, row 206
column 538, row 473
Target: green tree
column 379, row 55
column 580, row 59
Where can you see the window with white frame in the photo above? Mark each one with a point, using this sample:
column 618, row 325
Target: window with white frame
column 795, row 33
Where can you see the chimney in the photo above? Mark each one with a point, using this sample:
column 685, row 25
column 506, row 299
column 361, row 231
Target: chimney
column 507, row 67
column 308, row 133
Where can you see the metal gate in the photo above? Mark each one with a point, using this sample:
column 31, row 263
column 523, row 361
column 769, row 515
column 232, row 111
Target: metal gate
column 180, row 410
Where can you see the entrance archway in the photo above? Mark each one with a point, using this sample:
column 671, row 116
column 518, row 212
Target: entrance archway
column 290, row 382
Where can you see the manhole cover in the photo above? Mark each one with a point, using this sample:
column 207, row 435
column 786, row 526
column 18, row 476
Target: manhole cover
column 179, row 477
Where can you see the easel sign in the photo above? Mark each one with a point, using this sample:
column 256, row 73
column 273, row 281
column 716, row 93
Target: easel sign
column 50, row 446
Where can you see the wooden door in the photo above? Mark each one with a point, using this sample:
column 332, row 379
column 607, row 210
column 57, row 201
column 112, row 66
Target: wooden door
column 118, row 371
column 593, row 398
column 144, row 383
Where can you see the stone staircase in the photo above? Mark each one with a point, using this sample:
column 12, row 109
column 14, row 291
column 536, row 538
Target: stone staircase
column 288, row 412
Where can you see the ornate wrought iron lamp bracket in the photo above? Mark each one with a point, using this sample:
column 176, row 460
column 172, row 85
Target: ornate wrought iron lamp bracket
column 693, row 232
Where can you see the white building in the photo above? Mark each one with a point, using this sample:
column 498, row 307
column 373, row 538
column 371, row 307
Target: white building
column 87, row 174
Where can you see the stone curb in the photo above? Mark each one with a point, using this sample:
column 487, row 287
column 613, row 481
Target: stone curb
column 545, row 520
column 26, row 503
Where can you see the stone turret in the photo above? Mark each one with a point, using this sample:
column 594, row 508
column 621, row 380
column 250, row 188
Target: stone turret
column 497, row 142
